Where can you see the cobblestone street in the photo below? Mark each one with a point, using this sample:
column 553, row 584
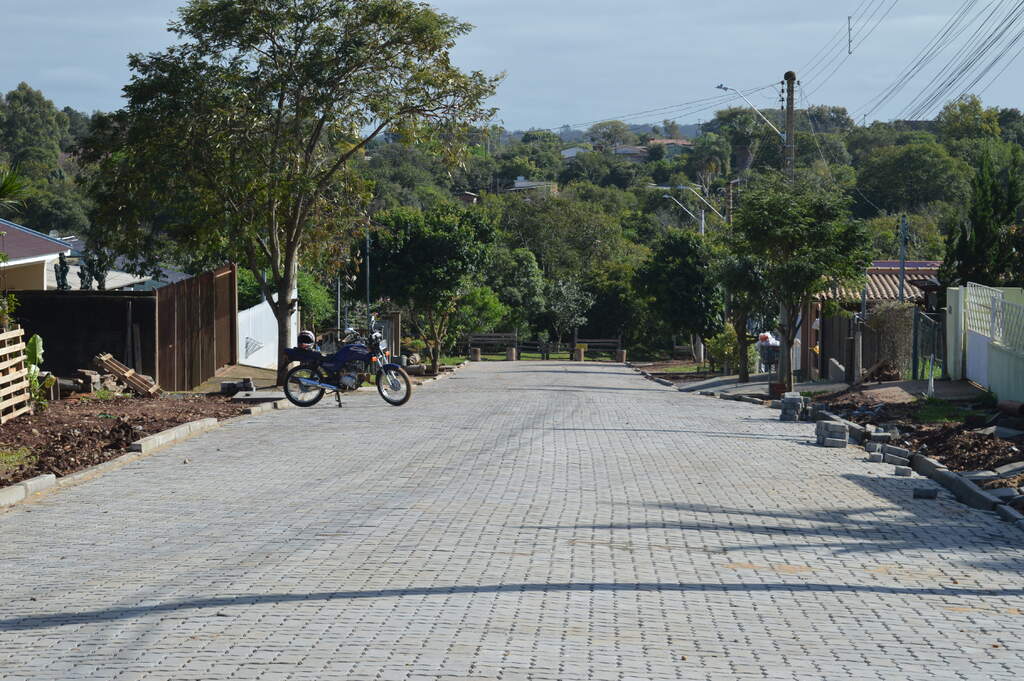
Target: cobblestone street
column 527, row 520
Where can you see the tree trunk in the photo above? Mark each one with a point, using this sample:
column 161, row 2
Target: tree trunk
column 742, row 343
column 283, row 312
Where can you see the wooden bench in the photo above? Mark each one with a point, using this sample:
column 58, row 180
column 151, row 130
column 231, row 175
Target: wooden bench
column 609, row 345
column 499, row 341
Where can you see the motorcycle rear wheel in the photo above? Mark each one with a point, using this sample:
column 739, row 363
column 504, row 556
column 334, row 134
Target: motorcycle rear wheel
column 394, row 397
column 303, row 395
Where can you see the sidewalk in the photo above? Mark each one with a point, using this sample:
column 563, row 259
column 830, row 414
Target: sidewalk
column 758, row 385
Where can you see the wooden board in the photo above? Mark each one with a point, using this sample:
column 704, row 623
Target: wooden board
column 140, row 385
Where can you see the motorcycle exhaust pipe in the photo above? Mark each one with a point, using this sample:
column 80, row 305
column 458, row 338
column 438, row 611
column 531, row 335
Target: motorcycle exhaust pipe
column 317, row 384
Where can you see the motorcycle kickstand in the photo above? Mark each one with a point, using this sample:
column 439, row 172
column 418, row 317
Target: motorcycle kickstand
column 337, row 396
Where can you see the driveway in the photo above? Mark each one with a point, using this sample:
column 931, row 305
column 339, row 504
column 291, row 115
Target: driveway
column 518, row 521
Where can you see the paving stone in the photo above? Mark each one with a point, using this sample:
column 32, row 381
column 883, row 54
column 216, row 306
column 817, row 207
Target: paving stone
column 520, row 521
column 895, row 460
column 904, row 471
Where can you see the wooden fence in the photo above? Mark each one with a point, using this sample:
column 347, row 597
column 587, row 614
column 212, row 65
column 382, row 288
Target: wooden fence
column 14, row 393
column 196, row 328
column 180, row 334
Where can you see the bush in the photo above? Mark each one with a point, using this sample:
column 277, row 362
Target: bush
column 722, row 353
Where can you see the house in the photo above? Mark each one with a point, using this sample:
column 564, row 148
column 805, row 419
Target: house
column 467, row 197
column 572, row 152
column 673, row 146
column 823, row 338
column 628, row 152
column 521, row 184
column 30, row 256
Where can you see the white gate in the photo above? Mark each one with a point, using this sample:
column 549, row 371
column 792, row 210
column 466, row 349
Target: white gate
column 982, row 308
column 257, row 336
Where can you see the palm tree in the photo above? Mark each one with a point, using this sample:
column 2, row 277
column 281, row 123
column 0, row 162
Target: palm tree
column 13, row 189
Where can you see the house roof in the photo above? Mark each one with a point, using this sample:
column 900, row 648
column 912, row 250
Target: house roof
column 21, row 243
column 883, row 281
column 628, row 149
column 668, row 141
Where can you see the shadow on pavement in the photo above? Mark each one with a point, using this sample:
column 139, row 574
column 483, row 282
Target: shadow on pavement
column 48, row 621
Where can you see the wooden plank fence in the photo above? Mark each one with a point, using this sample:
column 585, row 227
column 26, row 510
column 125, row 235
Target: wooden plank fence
column 14, row 393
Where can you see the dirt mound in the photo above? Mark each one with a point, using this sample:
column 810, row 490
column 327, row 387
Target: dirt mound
column 960, row 450
column 76, row 433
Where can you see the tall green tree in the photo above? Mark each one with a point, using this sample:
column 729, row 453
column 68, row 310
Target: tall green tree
column 427, row 263
column 679, row 281
column 977, row 249
column 805, row 240
column 906, row 178
column 236, row 140
column 967, row 118
column 31, row 131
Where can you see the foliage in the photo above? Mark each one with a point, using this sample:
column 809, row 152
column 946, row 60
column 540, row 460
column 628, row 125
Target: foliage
column 724, row 354
column 515, row 277
column 905, row 178
column 424, row 263
column 8, row 303
column 978, row 249
column 749, row 298
column 893, row 323
column 13, row 190
column 31, row 130
column 235, row 142
column 967, row 118
column 38, row 390
column 805, row 240
column 568, row 304
column 609, row 134
column 679, row 281
column 479, row 311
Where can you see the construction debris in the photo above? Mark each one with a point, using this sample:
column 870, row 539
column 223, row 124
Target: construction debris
column 144, row 386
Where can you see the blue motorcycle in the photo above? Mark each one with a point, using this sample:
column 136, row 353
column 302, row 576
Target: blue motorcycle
column 353, row 364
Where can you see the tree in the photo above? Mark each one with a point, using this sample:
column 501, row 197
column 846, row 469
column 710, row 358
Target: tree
column 980, row 249
column 908, row 177
column 804, row 238
column 13, row 190
column 710, row 158
column 236, row 140
column 747, row 294
column 568, row 304
column 514, row 276
column 31, row 131
column 609, row 134
column 671, row 129
column 966, row 118
column 678, row 280
column 425, row 262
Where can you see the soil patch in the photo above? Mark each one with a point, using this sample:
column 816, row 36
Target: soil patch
column 79, row 432
column 964, row 451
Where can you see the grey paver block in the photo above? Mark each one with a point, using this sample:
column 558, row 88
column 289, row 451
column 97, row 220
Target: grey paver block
column 11, row 495
column 904, row 471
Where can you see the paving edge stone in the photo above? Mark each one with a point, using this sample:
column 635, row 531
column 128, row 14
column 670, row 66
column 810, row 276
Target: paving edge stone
column 965, row 491
column 924, row 465
column 9, row 496
column 1009, row 514
column 172, row 435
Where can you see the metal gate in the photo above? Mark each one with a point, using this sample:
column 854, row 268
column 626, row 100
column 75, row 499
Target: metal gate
column 980, row 305
column 929, row 350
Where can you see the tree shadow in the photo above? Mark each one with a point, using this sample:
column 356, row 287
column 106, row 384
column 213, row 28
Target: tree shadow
column 77, row 619
column 926, row 526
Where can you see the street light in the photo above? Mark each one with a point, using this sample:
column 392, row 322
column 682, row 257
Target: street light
column 700, row 219
column 756, row 110
column 699, row 196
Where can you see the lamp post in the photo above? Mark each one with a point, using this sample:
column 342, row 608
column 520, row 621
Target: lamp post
column 756, row 110
column 700, row 220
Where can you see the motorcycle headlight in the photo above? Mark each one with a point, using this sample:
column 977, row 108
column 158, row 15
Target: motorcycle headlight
column 383, row 344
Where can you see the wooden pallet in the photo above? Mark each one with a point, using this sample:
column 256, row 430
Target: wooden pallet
column 142, row 386
column 15, row 398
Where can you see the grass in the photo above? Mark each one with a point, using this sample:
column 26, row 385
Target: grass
column 682, row 369
column 934, row 410
column 13, row 458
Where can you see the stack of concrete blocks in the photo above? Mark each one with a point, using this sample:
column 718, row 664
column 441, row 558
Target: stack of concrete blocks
column 831, row 434
column 876, row 440
column 792, row 407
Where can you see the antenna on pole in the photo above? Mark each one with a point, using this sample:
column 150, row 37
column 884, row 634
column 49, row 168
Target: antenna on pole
column 849, row 35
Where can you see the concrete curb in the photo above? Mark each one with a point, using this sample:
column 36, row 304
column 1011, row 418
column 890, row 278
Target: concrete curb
column 171, row 435
column 15, row 494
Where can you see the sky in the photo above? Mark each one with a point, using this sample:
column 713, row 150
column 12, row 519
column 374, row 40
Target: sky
column 565, row 61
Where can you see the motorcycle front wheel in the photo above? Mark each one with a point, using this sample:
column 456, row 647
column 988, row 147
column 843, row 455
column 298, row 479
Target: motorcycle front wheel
column 394, row 386
column 300, row 393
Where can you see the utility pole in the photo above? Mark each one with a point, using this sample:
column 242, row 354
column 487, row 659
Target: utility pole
column 904, row 237
column 702, row 222
column 790, row 141
column 849, row 35
column 728, row 202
